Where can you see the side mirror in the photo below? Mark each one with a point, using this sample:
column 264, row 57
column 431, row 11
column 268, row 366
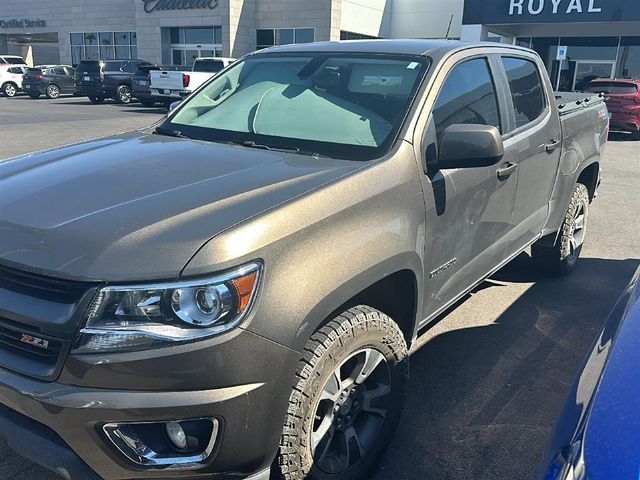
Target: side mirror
column 468, row 146
column 173, row 105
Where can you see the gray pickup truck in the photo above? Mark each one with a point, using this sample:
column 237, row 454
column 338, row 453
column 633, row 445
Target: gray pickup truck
column 233, row 293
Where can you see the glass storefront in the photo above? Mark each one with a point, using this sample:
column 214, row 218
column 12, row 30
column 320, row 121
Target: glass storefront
column 587, row 58
column 103, row 46
column 189, row 43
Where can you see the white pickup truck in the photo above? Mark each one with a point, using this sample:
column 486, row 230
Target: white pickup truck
column 168, row 86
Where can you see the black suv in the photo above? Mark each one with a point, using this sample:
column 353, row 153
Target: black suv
column 51, row 80
column 140, row 84
column 100, row 79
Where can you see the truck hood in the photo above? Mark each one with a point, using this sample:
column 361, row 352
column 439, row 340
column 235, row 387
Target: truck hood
column 138, row 206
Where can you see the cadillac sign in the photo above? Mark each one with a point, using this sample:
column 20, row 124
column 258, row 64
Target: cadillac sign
column 156, row 5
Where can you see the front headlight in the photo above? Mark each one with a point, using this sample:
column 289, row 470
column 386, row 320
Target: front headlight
column 125, row 318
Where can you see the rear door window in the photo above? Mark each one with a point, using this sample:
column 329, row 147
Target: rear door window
column 468, row 96
column 526, row 89
column 113, row 66
column 211, row 66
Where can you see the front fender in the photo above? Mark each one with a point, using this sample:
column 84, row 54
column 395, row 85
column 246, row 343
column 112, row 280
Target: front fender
column 324, row 247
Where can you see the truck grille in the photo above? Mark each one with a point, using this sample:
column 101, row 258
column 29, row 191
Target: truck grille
column 40, row 348
column 47, row 288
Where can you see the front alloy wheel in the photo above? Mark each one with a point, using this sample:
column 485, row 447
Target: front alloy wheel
column 347, row 400
column 351, row 410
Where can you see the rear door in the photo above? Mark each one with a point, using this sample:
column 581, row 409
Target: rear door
column 68, row 80
column 469, row 210
column 534, row 126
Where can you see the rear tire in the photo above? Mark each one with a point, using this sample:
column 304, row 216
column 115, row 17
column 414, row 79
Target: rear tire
column 96, row 100
column 561, row 258
column 347, row 399
column 34, row 95
column 147, row 103
column 635, row 135
column 9, row 89
column 52, row 92
column 123, row 95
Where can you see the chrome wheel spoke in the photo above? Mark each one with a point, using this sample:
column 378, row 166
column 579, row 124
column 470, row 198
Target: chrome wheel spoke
column 579, row 223
column 322, row 437
column 373, row 358
column 331, row 390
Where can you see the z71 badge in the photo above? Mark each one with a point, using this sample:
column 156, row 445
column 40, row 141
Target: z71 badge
column 35, row 341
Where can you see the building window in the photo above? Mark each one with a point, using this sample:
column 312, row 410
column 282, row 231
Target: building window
column 103, row 46
column 189, row 43
column 270, row 37
column 344, row 35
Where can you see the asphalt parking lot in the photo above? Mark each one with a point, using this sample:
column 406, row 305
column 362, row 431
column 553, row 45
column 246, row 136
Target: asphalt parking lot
column 492, row 374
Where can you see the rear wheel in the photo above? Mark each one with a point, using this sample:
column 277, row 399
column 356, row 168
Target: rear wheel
column 34, row 95
column 96, row 99
column 347, row 400
column 561, row 258
column 10, row 89
column 123, row 94
column 147, row 103
column 53, row 91
column 635, row 135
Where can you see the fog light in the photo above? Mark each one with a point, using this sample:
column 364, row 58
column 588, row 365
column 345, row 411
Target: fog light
column 176, row 435
column 180, row 444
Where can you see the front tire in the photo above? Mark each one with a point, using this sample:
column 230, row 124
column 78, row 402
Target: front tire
column 123, row 95
column 561, row 258
column 34, row 95
column 9, row 89
column 53, row 92
column 96, row 100
column 347, row 400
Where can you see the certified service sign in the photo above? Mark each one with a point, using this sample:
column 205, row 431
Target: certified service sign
column 153, row 5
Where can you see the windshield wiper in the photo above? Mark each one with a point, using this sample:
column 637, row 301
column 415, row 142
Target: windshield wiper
column 170, row 133
column 252, row 144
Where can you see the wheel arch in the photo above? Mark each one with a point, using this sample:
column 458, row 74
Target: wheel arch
column 392, row 290
column 590, row 177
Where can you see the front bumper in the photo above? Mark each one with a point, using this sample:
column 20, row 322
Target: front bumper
column 67, row 417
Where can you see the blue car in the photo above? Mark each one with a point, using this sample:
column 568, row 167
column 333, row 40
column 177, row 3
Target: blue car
column 597, row 436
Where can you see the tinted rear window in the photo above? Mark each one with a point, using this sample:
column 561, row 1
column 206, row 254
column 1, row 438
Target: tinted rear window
column 211, row 66
column 619, row 88
column 89, row 67
column 34, row 71
column 526, row 89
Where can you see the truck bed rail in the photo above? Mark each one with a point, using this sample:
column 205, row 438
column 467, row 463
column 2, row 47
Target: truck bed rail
column 571, row 101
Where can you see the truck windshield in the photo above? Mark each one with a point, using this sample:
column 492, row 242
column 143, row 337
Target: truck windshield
column 342, row 106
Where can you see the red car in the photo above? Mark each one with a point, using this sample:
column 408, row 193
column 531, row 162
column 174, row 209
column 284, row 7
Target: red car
column 623, row 101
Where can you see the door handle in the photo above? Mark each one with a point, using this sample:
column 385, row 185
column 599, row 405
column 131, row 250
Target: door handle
column 506, row 170
column 551, row 146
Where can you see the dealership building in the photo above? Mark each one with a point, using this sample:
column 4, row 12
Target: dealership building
column 578, row 39
column 176, row 31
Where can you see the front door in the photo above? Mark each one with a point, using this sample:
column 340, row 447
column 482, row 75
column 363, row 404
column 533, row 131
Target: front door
column 469, row 210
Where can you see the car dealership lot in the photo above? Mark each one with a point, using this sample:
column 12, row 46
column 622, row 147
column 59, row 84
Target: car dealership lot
column 493, row 373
